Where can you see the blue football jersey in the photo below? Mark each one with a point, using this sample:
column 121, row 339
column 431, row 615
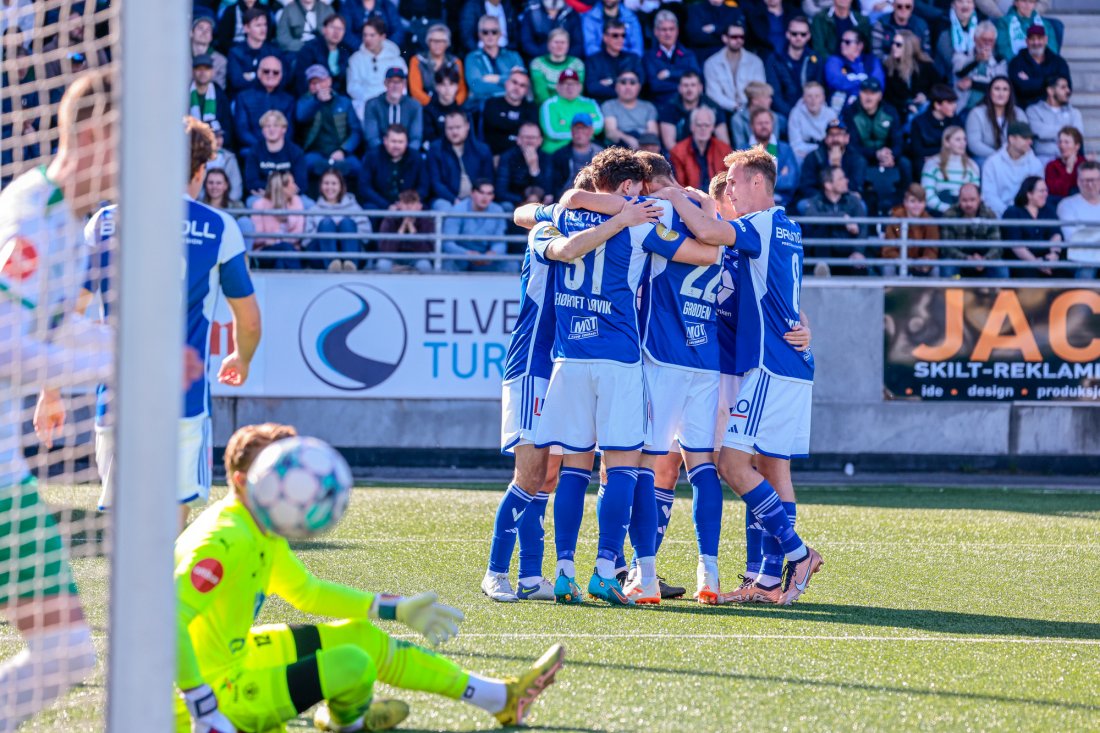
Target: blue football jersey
column 596, row 296
column 769, row 289
column 726, row 305
column 530, row 350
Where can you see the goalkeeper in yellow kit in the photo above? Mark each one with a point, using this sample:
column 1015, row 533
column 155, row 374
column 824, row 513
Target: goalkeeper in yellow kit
column 236, row 677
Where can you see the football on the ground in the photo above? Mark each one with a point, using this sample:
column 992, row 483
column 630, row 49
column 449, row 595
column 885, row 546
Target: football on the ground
column 299, row 487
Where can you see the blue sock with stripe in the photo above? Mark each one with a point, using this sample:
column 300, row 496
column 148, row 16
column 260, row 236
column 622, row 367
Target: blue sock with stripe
column 511, row 508
column 706, row 507
column 754, row 538
column 614, row 517
column 772, row 568
column 664, row 499
column 568, row 512
column 532, row 539
column 643, row 516
column 620, row 557
column 768, row 510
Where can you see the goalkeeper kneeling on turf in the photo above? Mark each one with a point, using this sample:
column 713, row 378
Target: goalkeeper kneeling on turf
column 233, row 677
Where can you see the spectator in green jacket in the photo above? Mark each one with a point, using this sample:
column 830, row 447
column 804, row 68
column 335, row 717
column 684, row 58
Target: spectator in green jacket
column 557, row 112
column 546, row 69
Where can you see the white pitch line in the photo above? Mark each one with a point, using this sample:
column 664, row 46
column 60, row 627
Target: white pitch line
column 824, row 543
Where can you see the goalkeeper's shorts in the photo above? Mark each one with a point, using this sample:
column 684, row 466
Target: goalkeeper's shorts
column 33, row 560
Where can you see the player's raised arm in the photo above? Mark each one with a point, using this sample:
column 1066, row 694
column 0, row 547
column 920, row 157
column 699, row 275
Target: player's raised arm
column 602, row 203
column 693, row 252
column 525, row 216
column 566, row 249
column 701, row 219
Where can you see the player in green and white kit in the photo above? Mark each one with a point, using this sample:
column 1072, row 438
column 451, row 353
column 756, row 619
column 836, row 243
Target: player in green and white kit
column 43, row 343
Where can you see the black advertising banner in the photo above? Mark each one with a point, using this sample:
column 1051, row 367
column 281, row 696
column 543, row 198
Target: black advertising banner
column 951, row 343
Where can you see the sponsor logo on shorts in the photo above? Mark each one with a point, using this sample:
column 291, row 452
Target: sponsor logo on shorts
column 696, row 334
column 536, row 407
column 206, row 575
column 582, row 327
column 741, row 409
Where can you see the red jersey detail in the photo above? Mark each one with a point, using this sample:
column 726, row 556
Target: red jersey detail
column 206, row 575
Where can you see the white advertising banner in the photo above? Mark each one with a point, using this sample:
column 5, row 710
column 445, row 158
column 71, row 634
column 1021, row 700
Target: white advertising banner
column 363, row 335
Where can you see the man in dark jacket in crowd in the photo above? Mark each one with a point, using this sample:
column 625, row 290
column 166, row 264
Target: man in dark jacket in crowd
column 391, row 169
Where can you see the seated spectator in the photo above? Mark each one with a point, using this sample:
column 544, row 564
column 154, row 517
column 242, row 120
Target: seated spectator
column 1013, row 28
column 489, row 66
column 424, row 65
column 1083, row 206
column 455, row 164
column 596, row 21
column 1048, row 117
column 202, row 35
column 567, row 160
column 358, row 12
column 502, row 116
column 957, row 45
column 901, row 19
column 912, row 207
column 342, row 215
column 846, row 71
column 835, row 201
column 540, row 17
column 672, row 118
column 987, row 124
column 1061, row 173
column 926, row 131
column 973, row 77
column 758, row 95
column 945, row 174
column 1031, row 67
column 300, row 22
column 704, row 21
column 409, row 200
column 281, row 231
column 367, row 67
column 626, row 117
column 419, row 15
column 809, row 121
column 472, row 12
column 829, row 26
column 764, row 24
column 327, row 49
column 226, row 161
column 668, row 60
column 331, row 133
column 1005, row 171
column 970, row 206
column 444, row 101
column 834, row 152
column 909, row 75
column 231, row 27
column 207, row 101
column 763, row 134
column 244, row 58
column 792, row 68
column 698, row 158
column 393, row 168
column 273, row 153
column 557, row 113
column 603, row 68
column 546, row 69
column 215, row 190
column 522, row 167
column 395, row 107
column 876, row 131
column 251, row 104
column 729, row 71
column 1030, row 206
column 486, row 251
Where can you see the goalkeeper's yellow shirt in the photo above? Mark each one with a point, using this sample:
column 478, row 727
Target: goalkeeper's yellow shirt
column 225, row 568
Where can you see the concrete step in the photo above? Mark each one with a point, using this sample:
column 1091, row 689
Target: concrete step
column 1085, row 80
column 1077, row 55
column 1086, row 99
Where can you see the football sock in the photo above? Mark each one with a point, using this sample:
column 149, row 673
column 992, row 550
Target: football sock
column 773, row 554
column 614, row 517
column 53, row 662
column 706, row 488
column 754, row 536
column 532, row 540
column 568, row 512
column 643, row 524
column 509, row 512
column 620, row 557
column 768, row 510
column 489, row 694
column 664, row 513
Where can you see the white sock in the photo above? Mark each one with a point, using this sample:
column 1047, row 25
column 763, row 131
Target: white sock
column 486, row 693
column 605, row 568
column 648, row 568
column 799, row 554
column 531, row 580
column 53, row 662
column 567, row 567
column 751, row 576
column 710, row 563
column 766, row 580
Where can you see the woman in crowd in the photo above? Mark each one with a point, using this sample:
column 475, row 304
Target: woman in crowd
column 987, row 124
column 946, row 173
column 546, row 68
column 909, row 75
column 281, row 193
column 342, row 214
column 913, row 207
column 423, row 66
column 216, row 193
column 1031, row 206
column 1061, row 173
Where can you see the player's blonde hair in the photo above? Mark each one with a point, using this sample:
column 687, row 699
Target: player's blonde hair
column 245, row 444
column 717, row 185
column 754, row 160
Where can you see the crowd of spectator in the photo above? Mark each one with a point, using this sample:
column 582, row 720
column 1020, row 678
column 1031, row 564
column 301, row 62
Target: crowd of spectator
column 937, row 109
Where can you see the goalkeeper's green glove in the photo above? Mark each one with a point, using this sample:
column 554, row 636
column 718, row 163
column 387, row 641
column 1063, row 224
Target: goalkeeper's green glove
column 434, row 621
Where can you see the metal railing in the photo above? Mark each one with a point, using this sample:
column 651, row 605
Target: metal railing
column 903, row 263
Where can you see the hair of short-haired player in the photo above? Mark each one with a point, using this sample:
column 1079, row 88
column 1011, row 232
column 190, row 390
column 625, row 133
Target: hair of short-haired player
column 585, row 180
column 657, row 167
column 754, row 160
column 203, row 144
column 717, row 185
column 615, row 166
column 247, row 443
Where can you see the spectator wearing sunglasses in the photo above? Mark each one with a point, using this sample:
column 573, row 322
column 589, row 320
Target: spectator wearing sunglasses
column 604, row 67
column 829, row 26
column 595, row 21
column 789, row 70
column 902, row 19
column 488, row 67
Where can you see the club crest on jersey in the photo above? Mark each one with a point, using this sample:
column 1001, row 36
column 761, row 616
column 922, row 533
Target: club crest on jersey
column 18, row 259
column 582, row 327
column 206, row 575
column 696, row 334
column 666, row 234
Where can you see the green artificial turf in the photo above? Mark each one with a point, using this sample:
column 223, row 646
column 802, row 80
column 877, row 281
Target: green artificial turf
column 961, row 609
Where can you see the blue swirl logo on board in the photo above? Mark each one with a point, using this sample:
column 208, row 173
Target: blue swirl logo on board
column 352, row 337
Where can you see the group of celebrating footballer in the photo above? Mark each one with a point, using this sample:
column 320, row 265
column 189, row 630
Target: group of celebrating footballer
column 657, row 324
